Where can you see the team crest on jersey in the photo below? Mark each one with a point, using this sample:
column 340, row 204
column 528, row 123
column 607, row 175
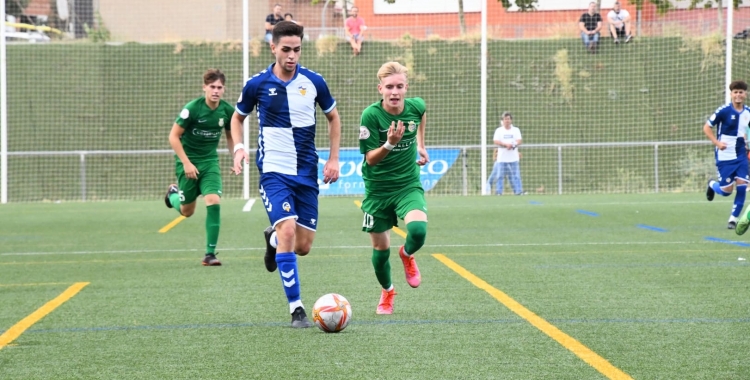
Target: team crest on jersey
column 412, row 126
column 302, row 90
column 221, row 122
column 364, row 133
column 286, row 206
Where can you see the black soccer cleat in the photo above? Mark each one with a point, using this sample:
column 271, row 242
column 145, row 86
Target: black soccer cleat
column 270, row 257
column 210, row 260
column 299, row 318
column 709, row 191
column 731, row 225
column 171, row 190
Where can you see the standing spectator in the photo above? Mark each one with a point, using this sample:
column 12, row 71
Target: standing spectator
column 619, row 23
column 508, row 138
column 355, row 29
column 590, row 24
column 273, row 19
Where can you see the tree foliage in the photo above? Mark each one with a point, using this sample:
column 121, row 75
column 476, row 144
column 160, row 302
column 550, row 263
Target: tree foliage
column 523, row 5
column 710, row 3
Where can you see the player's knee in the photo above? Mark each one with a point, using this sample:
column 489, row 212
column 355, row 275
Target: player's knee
column 302, row 248
column 187, row 212
column 417, row 232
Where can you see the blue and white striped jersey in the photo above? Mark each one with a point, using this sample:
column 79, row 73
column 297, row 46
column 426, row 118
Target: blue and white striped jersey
column 730, row 129
column 286, row 119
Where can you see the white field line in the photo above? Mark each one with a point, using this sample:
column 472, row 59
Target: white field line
column 248, row 205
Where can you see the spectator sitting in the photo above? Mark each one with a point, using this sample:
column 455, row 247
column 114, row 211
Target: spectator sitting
column 355, row 29
column 590, row 24
column 273, row 19
column 290, row 17
column 619, row 23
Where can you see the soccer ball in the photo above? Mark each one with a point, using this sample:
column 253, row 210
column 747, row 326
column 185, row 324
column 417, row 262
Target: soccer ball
column 332, row 312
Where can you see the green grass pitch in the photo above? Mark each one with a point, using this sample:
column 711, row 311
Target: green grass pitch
column 653, row 284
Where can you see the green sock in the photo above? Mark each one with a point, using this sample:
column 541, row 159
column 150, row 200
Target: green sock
column 213, row 222
column 415, row 236
column 174, row 199
column 382, row 267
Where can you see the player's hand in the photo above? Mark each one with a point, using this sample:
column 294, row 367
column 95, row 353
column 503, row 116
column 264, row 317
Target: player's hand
column 190, row 170
column 396, row 132
column 331, row 171
column 239, row 157
column 721, row 145
column 424, row 158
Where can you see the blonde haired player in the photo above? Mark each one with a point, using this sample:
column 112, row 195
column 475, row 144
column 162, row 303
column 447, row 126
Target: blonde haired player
column 390, row 137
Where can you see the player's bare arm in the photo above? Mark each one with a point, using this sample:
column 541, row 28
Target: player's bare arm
column 421, row 149
column 239, row 151
column 174, row 140
column 331, row 168
column 710, row 134
column 395, row 133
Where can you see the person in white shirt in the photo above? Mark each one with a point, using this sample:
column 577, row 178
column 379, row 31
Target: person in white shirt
column 507, row 137
column 619, row 23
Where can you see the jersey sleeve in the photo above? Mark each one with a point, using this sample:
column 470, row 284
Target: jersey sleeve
column 248, row 100
column 369, row 137
column 498, row 135
column 324, row 98
column 715, row 118
column 420, row 105
column 183, row 119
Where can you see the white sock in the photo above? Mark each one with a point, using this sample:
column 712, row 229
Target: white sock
column 732, row 218
column 294, row 305
column 274, row 240
column 390, row 288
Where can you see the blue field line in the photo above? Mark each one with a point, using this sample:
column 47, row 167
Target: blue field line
column 652, row 228
column 732, row 242
column 644, row 265
column 589, row 213
column 389, row 322
column 535, row 203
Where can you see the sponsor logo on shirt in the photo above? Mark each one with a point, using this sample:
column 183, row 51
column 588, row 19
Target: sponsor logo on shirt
column 207, row 134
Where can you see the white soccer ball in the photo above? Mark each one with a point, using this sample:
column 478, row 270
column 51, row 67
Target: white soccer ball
column 332, row 312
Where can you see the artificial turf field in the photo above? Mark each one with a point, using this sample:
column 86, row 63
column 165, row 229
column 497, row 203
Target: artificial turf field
column 539, row 287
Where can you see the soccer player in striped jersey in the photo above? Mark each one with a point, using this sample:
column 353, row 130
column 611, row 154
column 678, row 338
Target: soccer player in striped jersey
column 391, row 137
column 194, row 137
column 285, row 96
column 730, row 121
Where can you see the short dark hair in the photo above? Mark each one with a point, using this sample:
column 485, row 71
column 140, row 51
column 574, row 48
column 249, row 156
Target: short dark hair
column 212, row 75
column 506, row 113
column 288, row 14
column 738, row 85
column 287, row 29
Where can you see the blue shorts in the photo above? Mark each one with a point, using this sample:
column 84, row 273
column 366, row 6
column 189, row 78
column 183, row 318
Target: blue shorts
column 728, row 171
column 290, row 196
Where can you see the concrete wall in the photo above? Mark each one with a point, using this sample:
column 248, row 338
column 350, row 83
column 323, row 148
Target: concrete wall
column 180, row 20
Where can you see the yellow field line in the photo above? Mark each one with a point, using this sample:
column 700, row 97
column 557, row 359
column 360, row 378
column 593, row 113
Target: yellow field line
column 172, row 224
column 397, row 230
column 583, row 352
column 18, row 329
column 35, row 284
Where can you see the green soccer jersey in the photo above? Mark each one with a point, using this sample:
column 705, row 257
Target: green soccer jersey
column 399, row 169
column 203, row 129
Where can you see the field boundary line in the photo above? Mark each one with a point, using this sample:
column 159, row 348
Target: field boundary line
column 171, row 224
column 16, row 330
column 570, row 343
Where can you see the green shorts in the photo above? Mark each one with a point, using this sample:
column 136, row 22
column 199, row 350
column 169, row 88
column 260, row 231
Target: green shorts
column 208, row 182
column 382, row 212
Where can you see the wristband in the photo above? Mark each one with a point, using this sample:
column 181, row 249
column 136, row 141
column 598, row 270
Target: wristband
column 388, row 146
column 238, row 147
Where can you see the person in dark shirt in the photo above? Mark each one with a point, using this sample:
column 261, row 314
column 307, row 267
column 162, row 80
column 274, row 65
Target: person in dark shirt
column 273, row 19
column 590, row 24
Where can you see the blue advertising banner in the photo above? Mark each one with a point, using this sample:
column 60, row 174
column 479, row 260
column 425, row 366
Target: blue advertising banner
column 350, row 178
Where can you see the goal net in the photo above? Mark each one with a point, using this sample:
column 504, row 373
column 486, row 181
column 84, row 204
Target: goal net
column 91, row 101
